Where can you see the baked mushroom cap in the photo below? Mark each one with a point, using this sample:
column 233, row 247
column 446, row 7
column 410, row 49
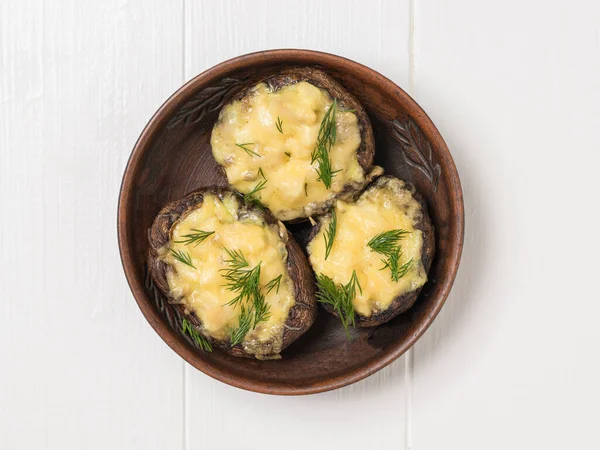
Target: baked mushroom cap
column 274, row 127
column 389, row 298
column 300, row 316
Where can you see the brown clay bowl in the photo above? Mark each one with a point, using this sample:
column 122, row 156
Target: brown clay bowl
column 173, row 157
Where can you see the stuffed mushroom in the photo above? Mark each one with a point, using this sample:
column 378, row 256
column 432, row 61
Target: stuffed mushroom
column 234, row 271
column 371, row 257
column 301, row 131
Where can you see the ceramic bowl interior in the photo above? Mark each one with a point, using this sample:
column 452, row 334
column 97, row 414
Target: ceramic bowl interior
column 173, row 157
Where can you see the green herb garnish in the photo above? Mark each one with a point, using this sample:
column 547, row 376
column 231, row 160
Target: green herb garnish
column 245, row 282
column 279, row 125
column 182, row 257
column 306, row 189
column 199, row 339
column 261, row 310
column 247, row 150
column 236, row 259
column 387, row 244
column 339, row 297
column 393, row 261
column 325, row 141
column 245, row 322
column 329, row 234
column 237, row 335
column 387, row 241
column 250, row 197
column 273, row 284
column 195, row 238
column 288, row 154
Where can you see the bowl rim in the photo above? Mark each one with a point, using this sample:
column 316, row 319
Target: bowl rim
column 154, row 318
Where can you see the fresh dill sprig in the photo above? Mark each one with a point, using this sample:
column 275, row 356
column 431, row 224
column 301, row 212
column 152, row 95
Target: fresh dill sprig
column 245, row 282
column 247, row 150
column 328, row 129
column 237, row 335
column 262, row 174
column 279, row 125
column 306, row 189
column 182, row 257
column 236, row 260
column 351, row 287
column 288, row 154
column 339, row 297
column 251, row 198
column 196, row 237
column 387, row 244
column 261, row 310
column 325, row 141
column 201, row 341
column 329, row 234
column 393, row 261
column 273, row 284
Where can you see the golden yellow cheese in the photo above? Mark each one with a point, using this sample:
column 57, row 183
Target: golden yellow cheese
column 378, row 209
column 292, row 189
column 202, row 289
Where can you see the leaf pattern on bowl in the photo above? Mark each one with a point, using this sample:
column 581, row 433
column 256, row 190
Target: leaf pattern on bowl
column 206, row 101
column 416, row 150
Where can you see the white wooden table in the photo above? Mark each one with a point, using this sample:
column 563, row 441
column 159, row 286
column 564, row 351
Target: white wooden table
column 512, row 362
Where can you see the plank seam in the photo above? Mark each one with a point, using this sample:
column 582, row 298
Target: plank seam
column 408, row 361
column 184, row 440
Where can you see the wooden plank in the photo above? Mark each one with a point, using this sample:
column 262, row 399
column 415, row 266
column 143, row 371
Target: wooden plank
column 375, row 34
column 81, row 368
column 369, row 413
column 512, row 362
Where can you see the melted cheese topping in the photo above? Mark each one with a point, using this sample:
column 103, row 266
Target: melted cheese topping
column 202, row 289
column 292, row 189
column 377, row 210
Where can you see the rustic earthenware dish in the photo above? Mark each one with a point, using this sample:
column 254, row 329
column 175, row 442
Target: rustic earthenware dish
column 173, row 157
